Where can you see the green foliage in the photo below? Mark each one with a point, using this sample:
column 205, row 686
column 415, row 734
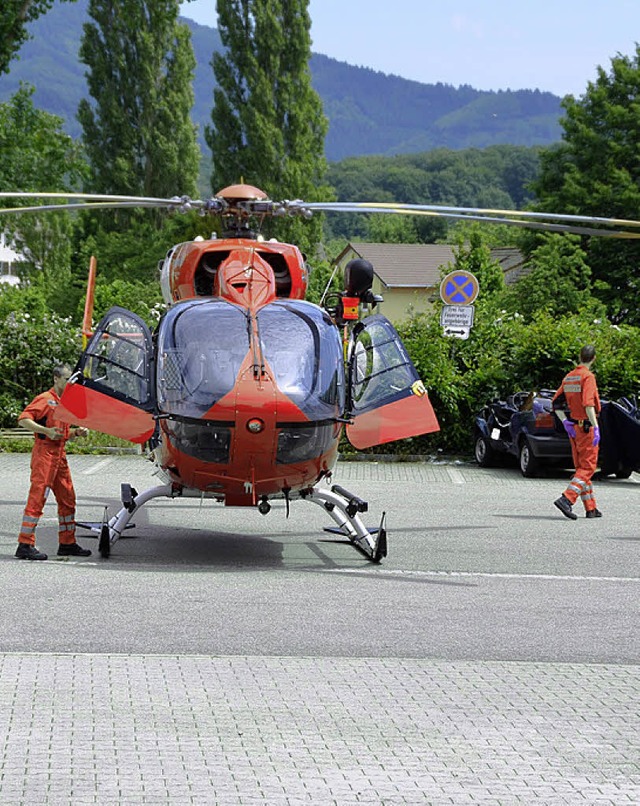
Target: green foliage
column 268, row 127
column 559, row 281
column 392, row 229
column 139, row 297
column 596, row 171
column 32, row 341
column 322, row 279
column 474, row 255
column 497, row 177
column 137, row 131
column 36, row 155
column 505, row 354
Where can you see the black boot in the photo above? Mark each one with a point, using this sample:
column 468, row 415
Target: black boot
column 27, row 552
column 564, row 505
column 593, row 513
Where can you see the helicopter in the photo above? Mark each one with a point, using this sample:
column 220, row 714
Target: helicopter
column 243, row 390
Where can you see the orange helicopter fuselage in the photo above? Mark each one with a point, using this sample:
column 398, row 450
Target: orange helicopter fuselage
column 270, row 428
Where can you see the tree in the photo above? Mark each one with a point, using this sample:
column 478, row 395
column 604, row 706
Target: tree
column 137, row 132
column 596, row 171
column 559, row 282
column 16, row 14
column 268, row 126
column 36, row 155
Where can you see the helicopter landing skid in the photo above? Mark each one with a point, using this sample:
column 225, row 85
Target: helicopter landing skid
column 345, row 509
column 112, row 529
column 343, row 506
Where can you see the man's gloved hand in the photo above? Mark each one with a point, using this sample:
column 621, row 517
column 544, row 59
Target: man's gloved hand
column 570, row 428
column 596, row 436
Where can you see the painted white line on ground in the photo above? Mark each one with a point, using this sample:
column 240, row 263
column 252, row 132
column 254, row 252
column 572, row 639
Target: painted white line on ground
column 488, row 574
column 456, row 476
column 98, row 466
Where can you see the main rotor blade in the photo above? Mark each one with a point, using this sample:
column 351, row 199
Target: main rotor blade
column 442, row 212
column 80, row 206
column 483, row 211
column 19, row 194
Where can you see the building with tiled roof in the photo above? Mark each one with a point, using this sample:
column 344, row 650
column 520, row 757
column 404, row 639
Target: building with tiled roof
column 408, row 276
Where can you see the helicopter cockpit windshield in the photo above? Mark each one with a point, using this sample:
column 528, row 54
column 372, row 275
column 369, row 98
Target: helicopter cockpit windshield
column 201, row 346
column 304, row 353
column 203, row 343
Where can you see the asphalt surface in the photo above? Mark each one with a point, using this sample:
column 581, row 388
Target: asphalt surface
column 225, row 657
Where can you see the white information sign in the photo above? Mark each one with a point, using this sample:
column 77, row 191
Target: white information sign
column 457, row 320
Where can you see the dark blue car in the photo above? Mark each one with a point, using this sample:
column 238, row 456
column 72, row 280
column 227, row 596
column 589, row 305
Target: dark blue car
column 525, row 427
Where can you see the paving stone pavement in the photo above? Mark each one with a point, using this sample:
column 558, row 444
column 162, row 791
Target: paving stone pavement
column 134, row 729
column 156, row 730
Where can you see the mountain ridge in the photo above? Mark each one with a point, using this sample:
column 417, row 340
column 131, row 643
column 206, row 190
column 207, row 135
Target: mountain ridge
column 369, row 112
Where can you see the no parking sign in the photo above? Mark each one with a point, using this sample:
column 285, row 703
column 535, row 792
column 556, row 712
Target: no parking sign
column 459, row 288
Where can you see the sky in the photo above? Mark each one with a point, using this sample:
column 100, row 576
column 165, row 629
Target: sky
column 552, row 45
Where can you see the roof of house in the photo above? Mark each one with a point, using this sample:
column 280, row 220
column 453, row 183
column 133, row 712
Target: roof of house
column 397, row 264
column 420, row 265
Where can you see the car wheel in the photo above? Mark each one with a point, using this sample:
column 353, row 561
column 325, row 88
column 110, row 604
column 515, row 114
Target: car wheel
column 529, row 463
column 484, row 453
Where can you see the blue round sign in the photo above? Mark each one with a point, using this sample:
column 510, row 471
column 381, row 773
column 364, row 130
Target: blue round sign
column 459, row 288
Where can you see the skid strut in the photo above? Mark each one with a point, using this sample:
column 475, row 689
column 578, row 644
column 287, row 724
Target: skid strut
column 345, row 509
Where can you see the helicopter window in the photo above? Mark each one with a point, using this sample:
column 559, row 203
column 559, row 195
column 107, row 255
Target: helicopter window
column 201, row 347
column 303, row 350
column 117, row 359
column 302, row 444
column 380, row 366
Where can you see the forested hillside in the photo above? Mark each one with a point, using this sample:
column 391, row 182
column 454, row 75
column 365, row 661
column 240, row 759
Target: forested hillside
column 369, row 112
column 494, row 177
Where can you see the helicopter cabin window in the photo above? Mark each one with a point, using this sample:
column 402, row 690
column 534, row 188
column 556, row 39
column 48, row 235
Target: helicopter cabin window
column 380, row 367
column 303, row 351
column 117, row 358
column 201, row 347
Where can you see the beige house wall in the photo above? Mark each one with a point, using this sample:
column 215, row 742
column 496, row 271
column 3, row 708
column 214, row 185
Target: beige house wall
column 400, row 303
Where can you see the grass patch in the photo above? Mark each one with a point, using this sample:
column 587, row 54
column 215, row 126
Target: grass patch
column 93, row 443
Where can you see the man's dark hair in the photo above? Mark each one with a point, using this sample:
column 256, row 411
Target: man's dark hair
column 61, row 369
column 587, row 353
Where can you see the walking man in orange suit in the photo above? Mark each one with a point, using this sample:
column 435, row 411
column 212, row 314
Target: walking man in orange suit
column 50, row 472
column 578, row 394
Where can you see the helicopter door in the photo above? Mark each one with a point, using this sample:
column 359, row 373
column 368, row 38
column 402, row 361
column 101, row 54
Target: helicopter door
column 386, row 398
column 111, row 389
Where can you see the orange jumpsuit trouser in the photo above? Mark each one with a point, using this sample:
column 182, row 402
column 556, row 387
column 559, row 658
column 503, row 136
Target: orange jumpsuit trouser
column 49, row 471
column 585, row 461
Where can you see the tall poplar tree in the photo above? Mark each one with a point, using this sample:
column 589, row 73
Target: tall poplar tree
column 268, row 126
column 137, row 130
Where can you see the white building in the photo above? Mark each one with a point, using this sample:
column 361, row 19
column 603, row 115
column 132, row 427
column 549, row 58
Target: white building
column 8, row 257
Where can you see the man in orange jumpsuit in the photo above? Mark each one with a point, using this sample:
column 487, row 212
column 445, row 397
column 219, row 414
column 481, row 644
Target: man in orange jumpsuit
column 50, row 471
column 579, row 394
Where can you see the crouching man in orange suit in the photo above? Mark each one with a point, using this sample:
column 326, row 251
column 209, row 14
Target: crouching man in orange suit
column 50, row 471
